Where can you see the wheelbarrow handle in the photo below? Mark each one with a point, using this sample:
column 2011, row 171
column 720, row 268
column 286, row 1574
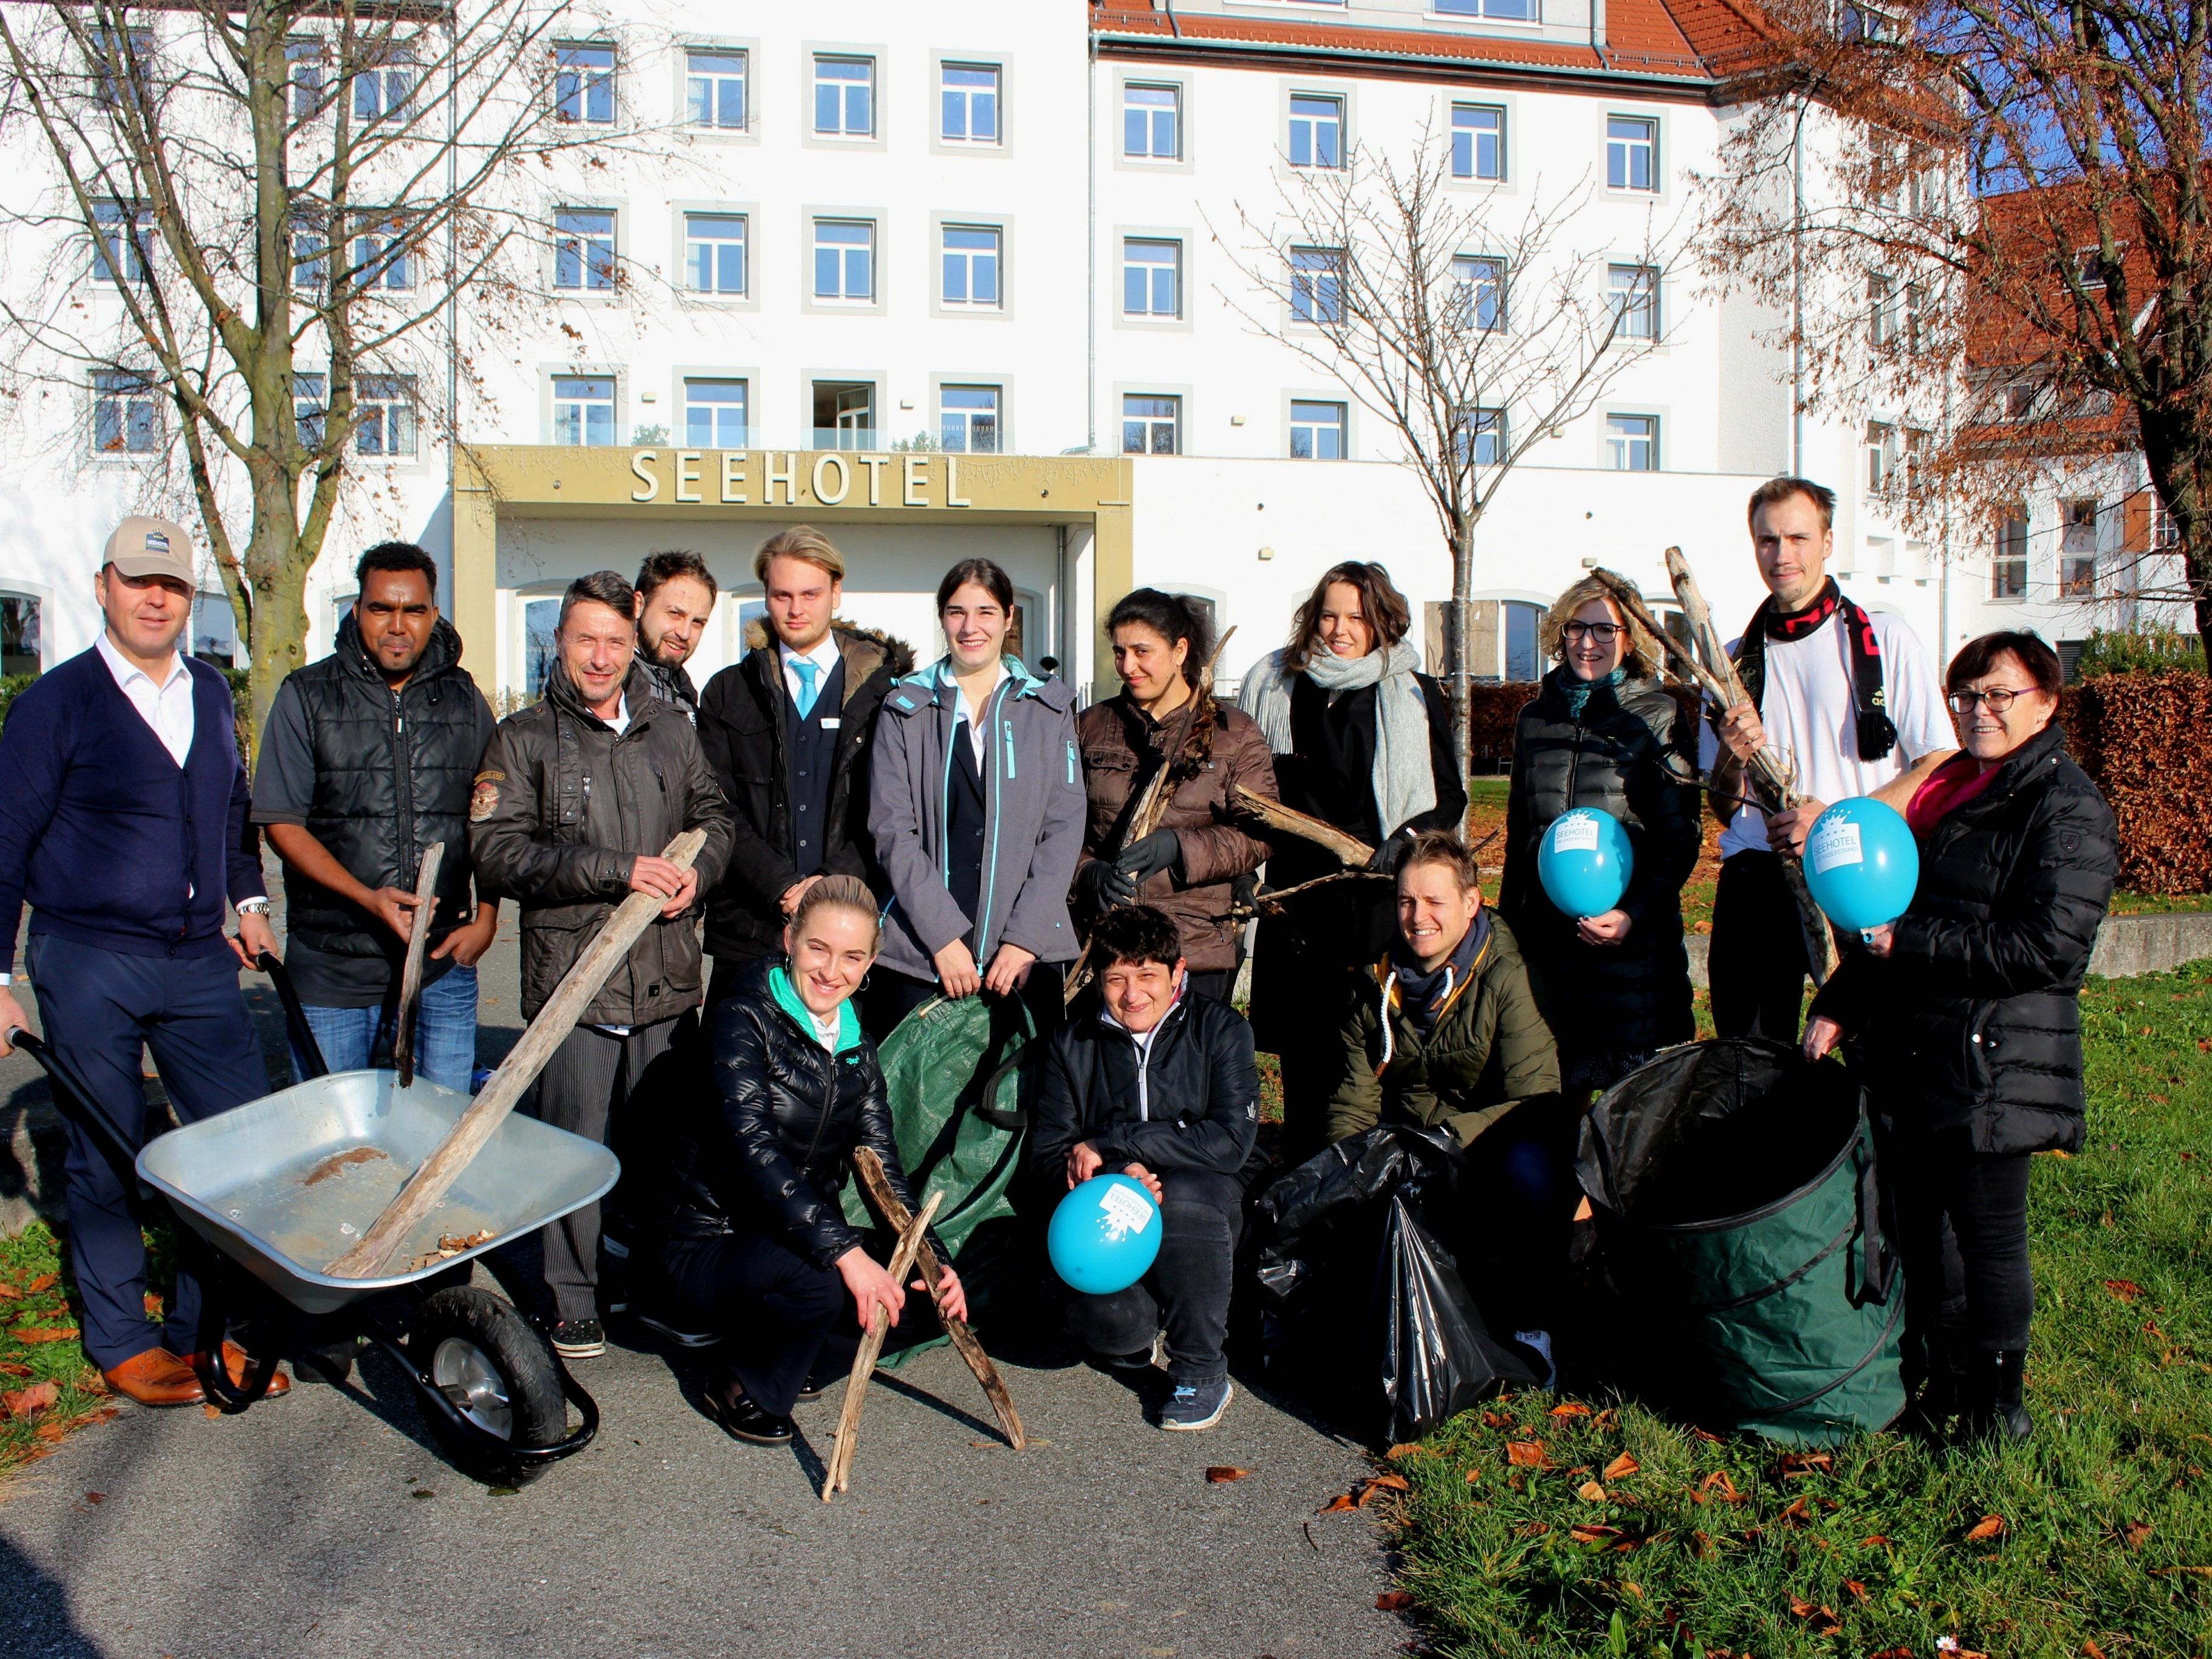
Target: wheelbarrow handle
column 309, row 1051
column 73, row 1098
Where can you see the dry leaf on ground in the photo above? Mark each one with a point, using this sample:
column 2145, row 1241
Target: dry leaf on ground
column 1221, row 1473
column 1593, row 1534
column 1525, row 1454
column 2126, row 1289
column 1794, row 1464
column 1404, row 1449
column 1343, row 1500
column 43, row 1282
column 53, row 1333
column 1819, row 1620
column 1622, row 1466
column 1591, row 1493
column 22, row 1402
column 1571, row 1408
column 1856, row 1587
column 1394, row 1601
column 2136, row 1534
column 1989, row 1526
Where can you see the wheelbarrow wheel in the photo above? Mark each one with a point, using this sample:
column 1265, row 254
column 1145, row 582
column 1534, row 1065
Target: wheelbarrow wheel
column 498, row 1373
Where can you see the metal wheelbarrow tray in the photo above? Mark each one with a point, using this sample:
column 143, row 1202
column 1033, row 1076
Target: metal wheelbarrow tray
column 285, row 1184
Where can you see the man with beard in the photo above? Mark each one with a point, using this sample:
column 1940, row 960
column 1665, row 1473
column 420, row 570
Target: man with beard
column 674, row 596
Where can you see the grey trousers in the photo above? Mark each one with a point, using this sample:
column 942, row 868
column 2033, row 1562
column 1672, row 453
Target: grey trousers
column 587, row 1089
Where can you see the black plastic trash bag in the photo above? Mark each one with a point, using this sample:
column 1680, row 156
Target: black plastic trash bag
column 1372, row 1304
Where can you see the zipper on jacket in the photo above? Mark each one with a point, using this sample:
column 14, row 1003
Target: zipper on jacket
column 993, row 809
column 1070, row 762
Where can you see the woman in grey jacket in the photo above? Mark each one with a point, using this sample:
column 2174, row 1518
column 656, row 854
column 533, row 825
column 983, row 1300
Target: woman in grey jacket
column 977, row 805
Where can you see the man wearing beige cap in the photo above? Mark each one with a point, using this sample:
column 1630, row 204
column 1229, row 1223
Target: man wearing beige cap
column 122, row 822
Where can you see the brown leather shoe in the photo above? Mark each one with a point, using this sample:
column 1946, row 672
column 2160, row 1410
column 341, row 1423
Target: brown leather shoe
column 155, row 1377
column 235, row 1360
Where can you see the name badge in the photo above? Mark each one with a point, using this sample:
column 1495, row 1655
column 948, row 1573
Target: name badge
column 831, row 724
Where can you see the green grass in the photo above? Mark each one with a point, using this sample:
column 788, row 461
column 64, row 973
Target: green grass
column 2106, row 1546
column 34, row 1300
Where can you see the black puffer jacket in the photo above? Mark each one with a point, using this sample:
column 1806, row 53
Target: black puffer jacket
column 1192, row 1101
column 769, row 1152
column 1975, row 1017
column 1632, row 755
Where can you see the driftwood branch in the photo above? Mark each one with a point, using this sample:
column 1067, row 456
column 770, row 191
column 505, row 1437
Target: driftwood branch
column 869, row 1169
column 840, row 1473
column 1349, row 849
column 437, row 1173
column 1273, row 900
column 411, row 976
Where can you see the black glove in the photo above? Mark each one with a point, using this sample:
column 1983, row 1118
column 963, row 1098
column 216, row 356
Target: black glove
column 1390, row 855
column 1100, row 885
column 1142, row 858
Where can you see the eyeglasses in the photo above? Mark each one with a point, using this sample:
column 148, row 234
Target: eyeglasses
column 1601, row 633
column 1998, row 698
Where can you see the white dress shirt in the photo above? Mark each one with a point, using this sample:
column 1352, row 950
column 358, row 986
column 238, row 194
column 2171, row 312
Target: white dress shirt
column 973, row 713
column 823, row 656
column 166, row 705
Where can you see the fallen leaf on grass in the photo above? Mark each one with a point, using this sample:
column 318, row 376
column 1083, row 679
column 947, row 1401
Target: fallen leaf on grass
column 1220, row 1475
column 1873, row 1541
column 1390, row 1483
column 1796, row 1464
column 1705, row 1435
column 9, row 1293
column 1394, row 1601
column 1622, row 1467
column 1701, row 1543
column 2060, row 1152
column 1496, row 1420
column 1798, row 1514
column 43, row 1282
column 1571, row 1409
column 1957, row 1650
column 22, row 1402
column 2090, row 1647
column 1473, row 1475
column 1856, row 1587
column 1404, row 1449
column 1722, row 1486
column 10, row 1368
column 1989, row 1526
column 2126, row 1289
column 1819, row 1620
column 1525, row 1454
column 1593, row 1534
column 1591, row 1493
column 1532, row 1529
column 50, row 1334
column 2136, row 1534
column 1891, row 1653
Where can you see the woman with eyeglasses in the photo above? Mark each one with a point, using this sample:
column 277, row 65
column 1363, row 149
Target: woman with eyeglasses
column 1603, row 733
column 1965, row 1014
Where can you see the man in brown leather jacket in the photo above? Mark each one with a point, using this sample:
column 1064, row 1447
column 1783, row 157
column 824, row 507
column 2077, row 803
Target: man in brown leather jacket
column 578, row 795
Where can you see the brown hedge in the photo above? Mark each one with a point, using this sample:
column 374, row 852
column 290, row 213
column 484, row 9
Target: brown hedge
column 2146, row 739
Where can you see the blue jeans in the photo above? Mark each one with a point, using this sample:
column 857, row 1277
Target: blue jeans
column 445, row 1032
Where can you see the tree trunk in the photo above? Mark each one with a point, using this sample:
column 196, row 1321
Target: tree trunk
column 2178, row 455
column 279, row 643
column 1459, row 643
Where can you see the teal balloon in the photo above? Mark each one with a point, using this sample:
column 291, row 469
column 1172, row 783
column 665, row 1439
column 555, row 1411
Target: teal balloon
column 1584, row 861
column 1105, row 1235
column 1862, row 864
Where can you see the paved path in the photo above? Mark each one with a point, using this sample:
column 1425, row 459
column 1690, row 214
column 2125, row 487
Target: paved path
column 297, row 1529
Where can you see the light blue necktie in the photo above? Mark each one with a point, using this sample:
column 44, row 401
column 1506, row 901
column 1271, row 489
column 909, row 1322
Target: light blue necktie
column 807, row 670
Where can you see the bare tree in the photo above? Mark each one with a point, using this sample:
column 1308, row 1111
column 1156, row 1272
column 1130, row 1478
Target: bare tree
column 1989, row 223
column 1474, row 324
column 290, row 202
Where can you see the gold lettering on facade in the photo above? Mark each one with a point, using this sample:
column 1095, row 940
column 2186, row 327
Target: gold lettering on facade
column 641, row 464
column 823, row 463
column 734, row 477
column 771, row 476
column 687, row 473
column 875, row 466
column 916, row 468
column 952, row 496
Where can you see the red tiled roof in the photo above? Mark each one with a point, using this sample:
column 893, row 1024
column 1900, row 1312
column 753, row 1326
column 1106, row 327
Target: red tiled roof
column 1675, row 39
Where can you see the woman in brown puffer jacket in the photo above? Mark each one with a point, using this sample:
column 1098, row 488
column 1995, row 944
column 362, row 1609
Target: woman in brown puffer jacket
column 1188, row 867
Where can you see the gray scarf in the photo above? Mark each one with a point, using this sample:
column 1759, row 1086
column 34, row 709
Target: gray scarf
column 1404, row 779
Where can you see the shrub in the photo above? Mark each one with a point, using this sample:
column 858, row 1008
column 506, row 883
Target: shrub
column 2146, row 739
column 2149, row 650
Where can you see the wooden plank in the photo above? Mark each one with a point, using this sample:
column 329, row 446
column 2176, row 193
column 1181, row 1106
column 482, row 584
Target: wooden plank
column 869, row 1169
column 410, row 975
column 840, row 1473
column 1350, row 850
column 504, row 1089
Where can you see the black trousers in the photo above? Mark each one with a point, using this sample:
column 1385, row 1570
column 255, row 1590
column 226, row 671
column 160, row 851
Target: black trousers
column 890, row 997
column 1185, row 1293
column 1518, row 1195
column 1305, row 1021
column 782, row 1318
column 1958, row 1219
column 1756, row 968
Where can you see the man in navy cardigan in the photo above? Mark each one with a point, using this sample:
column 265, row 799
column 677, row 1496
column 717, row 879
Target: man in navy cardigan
column 123, row 821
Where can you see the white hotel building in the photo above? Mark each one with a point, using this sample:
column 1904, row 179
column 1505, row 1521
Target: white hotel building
column 992, row 227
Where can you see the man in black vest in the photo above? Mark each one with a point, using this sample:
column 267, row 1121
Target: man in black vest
column 786, row 731
column 367, row 762
column 674, row 598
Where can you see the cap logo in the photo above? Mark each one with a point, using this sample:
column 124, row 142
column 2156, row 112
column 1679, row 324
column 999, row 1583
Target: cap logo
column 156, row 542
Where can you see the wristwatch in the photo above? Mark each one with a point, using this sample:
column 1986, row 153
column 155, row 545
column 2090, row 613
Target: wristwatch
column 252, row 907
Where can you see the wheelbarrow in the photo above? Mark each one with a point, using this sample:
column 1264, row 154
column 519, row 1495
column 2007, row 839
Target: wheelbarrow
column 280, row 1186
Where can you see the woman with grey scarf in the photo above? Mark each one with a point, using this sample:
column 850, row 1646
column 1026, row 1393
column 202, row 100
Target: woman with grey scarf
column 1364, row 741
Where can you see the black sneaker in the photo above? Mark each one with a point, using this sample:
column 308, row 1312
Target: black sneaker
column 683, row 1332
column 741, row 1419
column 580, row 1339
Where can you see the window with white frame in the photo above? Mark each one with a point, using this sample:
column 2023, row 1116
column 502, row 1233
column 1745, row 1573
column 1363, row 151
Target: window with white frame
column 1882, row 311
column 384, row 254
column 970, row 267
column 382, row 87
column 541, row 644
column 1632, row 442
column 584, row 83
column 714, row 252
column 1498, row 11
column 1317, row 285
column 1316, row 131
column 119, row 57
column 1483, row 430
column 1631, row 153
column 845, row 97
column 19, row 652
column 1151, row 424
column 1634, row 293
column 305, row 63
column 1152, row 277
column 1478, row 142
column 1151, row 122
column 311, row 256
column 717, row 414
column 311, row 402
column 845, row 260
column 385, row 414
column 1480, row 279
column 583, row 409
column 1316, row 431
column 714, row 88
column 1881, row 456
column 2009, row 558
column 126, row 413
column 968, row 419
column 122, row 239
column 968, row 104
column 844, row 415
column 1859, row 21
column 2077, row 550
column 584, row 250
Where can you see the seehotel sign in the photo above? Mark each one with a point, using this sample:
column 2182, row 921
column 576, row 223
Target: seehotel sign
column 767, row 478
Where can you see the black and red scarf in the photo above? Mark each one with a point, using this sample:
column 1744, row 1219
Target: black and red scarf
column 1877, row 732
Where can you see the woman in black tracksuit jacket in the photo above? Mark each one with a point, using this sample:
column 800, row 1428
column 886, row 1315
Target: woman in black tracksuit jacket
column 1965, row 1014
